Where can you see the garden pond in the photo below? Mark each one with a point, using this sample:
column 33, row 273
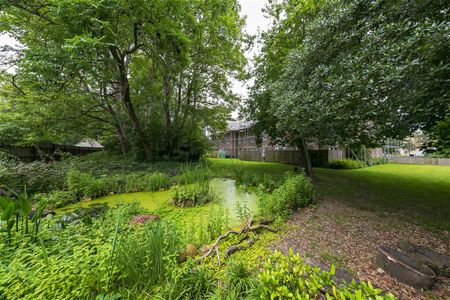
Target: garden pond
column 229, row 195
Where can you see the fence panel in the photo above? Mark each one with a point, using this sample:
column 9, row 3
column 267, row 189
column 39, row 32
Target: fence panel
column 293, row 157
column 335, row 155
column 250, row 155
column 420, row 160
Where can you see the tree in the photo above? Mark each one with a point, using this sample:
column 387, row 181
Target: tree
column 364, row 71
column 289, row 21
column 145, row 69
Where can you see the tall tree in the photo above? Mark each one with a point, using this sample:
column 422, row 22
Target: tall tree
column 364, row 71
column 131, row 66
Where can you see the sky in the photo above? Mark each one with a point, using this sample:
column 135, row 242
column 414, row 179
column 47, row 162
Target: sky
column 255, row 20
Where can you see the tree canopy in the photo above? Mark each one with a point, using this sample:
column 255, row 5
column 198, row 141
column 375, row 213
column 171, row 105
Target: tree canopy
column 352, row 72
column 147, row 75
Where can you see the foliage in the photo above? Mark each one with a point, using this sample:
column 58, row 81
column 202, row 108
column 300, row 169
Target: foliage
column 145, row 257
column 38, row 176
column 189, row 282
column 192, row 195
column 217, row 222
column 190, row 173
column 285, row 277
column 58, row 199
column 240, row 280
column 136, row 182
column 297, row 191
column 242, row 210
column 145, row 82
column 351, row 72
column 85, row 185
column 346, row 164
column 439, row 136
column 17, row 209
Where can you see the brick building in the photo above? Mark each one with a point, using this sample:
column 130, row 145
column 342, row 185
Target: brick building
column 240, row 137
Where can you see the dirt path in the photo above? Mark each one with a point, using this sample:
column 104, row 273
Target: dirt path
column 332, row 232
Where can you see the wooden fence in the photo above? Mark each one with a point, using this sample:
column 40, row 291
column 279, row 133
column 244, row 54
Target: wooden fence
column 250, row 155
column 420, row 160
column 319, row 158
column 292, row 157
column 43, row 152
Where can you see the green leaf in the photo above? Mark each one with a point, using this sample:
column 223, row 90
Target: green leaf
column 8, row 212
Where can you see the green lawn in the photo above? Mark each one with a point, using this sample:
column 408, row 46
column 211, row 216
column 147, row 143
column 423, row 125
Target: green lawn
column 418, row 193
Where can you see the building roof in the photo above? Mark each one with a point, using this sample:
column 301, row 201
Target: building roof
column 89, row 144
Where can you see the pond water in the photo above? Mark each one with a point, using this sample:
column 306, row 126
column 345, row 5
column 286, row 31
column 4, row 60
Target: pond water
column 226, row 190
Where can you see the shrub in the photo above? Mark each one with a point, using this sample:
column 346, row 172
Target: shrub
column 378, row 161
column 297, row 191
column 346, row 164
column 78, row 182
column 192, row 195
column 217, row 222
column 289, row 276
column 37, row 176
column 59, row 199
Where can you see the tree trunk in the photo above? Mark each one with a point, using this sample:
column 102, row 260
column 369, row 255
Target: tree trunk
column 308, row 165
column 123, row 140
column 126, row 98
column 166, row 107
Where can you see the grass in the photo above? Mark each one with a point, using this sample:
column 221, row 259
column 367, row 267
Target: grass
column 223, row 166
column 418, row 193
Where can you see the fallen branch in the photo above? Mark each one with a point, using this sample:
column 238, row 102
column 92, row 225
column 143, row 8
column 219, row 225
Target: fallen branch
column 235, row 248
column 248, row 224
column 232, row 249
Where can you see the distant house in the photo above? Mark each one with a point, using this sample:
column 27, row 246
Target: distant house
column 93, row 144
column 240, row 137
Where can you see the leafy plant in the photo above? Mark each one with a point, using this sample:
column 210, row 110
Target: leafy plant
column 239, row 279
column 242, row 210
column 217, row 222
column 192, row 195
column 346, row 164
column 289, row 276
column 145, row 257
column 189, row 282
column 297, row 191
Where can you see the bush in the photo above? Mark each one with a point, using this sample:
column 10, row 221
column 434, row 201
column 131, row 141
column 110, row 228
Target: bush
column 190, row 173
column 59, row 199
column 38, row 176
column 289, row 276
column 378, row 161
column 77, row 182
column 346, row 164
column 297, row 191
column 85, row 185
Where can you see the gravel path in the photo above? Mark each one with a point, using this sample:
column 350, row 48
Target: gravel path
column 332, row 232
